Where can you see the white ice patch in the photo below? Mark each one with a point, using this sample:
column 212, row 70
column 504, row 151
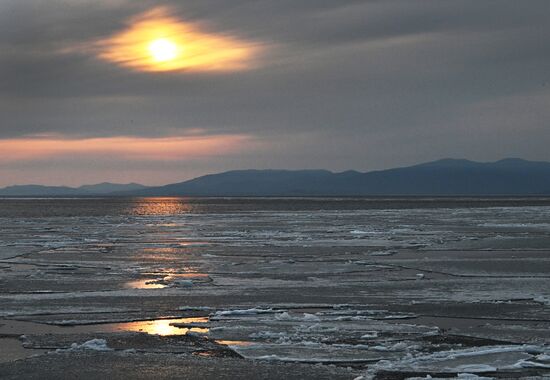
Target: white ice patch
column 283, row 317
column 292, row 359
column 476, row 368
column 361, row 232
column 307, row 317
column 471, row 376
column 370, row 335
column 524, row 363
column 460, row 376
column 269, row 335
column 542, row 300
column 399, row 346
column 93, row 345
column 516, row 225
column 311, row 317
column 383, row 253
column 252, row 311
column 194, row 308
column 181, row 283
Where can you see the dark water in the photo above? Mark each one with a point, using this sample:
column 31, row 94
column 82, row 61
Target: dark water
column 70, row 207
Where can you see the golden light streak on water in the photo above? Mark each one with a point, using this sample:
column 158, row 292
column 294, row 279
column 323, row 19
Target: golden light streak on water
column 162, row 326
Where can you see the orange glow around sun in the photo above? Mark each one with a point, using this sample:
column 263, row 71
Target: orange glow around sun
column 157, row 41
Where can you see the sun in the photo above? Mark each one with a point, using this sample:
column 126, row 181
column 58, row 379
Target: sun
column 157, row 41
column 163, row 50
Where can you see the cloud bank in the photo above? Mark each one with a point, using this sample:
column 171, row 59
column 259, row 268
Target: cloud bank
column 339, row 85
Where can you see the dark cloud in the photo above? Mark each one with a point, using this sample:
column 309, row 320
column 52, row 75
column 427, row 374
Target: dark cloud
column 369, row 84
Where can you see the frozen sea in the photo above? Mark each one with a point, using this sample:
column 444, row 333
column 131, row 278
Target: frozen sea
column 272, row 288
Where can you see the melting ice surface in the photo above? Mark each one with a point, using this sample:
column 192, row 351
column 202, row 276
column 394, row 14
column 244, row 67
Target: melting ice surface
column 458, row 286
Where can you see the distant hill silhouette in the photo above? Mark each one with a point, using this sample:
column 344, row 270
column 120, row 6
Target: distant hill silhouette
column 106, row 188
column 63, row 191
column 447, row 177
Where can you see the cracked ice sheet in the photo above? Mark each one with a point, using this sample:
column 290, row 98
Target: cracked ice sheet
column 473, row 360
column 332, row 336
column 261, row 258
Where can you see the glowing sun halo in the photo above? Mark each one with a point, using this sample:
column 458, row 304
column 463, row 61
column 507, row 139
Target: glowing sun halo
column 163, row 50
column 157, row 41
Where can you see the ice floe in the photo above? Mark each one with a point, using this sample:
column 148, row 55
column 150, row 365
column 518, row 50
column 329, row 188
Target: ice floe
column 93, row 345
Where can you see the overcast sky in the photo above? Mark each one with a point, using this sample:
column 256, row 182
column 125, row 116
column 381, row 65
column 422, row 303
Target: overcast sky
column 332, row 84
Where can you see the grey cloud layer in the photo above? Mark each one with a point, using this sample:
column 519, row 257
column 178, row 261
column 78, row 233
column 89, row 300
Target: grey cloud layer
column 370, row 76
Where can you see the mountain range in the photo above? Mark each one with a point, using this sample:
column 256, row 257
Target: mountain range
column 447, row 177
column 64, row 191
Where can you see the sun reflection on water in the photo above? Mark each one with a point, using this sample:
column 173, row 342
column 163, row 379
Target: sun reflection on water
column 145, row 284
column 160, row 206
column 241, row 343
column 167, row 280
column 162, row 326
